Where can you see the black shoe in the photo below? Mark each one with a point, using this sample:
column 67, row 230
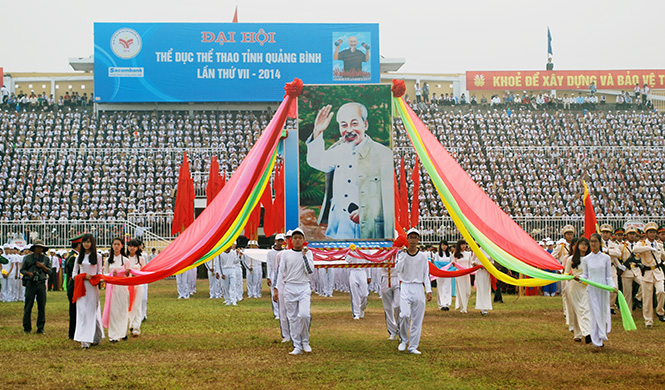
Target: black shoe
column 125, row 338
column 613, row 311
column 661, row 318
column 639, row 303
column 587, row 339
column 27, row 331
column 40, row 331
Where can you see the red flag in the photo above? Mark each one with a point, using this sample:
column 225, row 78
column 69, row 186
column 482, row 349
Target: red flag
column 403, row 197
column 183, row 210
column 214, row 180
column 268, row 217
column 293, row 110
column 235, row 16
column 590, row 222
column 252, row 226
column 398, row 213
column 278, row 206
column 415, row 201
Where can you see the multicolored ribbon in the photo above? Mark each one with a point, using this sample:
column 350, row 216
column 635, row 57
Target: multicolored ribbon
column 509, row 245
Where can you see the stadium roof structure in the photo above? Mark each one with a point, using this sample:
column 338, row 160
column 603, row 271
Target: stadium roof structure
column 86, row 64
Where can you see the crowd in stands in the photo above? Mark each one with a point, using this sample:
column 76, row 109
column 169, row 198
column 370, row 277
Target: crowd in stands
column 32, row 101
column 70, row 164
column 531, row 163
column 587, row 99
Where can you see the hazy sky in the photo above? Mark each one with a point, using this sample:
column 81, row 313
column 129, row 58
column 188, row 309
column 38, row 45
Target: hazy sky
column 434, row 36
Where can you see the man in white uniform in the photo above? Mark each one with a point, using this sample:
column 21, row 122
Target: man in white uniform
column 390, row 299
column 359, row 279
column 213, row 267
column 413, row 272
column 229, row 261
column 295, row 267
column 271, row 267
column 254, row 272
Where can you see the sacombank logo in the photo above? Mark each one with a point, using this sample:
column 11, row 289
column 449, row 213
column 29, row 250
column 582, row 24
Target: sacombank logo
column 126, row 43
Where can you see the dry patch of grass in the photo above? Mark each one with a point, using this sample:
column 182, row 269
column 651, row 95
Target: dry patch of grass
column 200, row 343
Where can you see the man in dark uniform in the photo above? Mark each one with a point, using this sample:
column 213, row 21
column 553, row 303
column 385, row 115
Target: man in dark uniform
column 69, row 269
column 35, row 269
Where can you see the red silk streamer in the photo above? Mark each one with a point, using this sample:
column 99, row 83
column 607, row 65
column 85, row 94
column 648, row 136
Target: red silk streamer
column 398, row 212
column 478, row 208
column 590, row 221
column 268, row 215
column 415, row 201
column 79, row 286
column 183, row 210
column 403, row 197
column 451, row 274
column 132, row 295
column 278, row 204
column 211, row 225
column 214, row 180
column 378, row 257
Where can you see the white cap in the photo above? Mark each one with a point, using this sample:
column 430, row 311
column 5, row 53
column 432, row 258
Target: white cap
column 297, row 230
column 289, row 233
column 413, row 230
column 550, row 242
column 6, row 246
column 279, row 236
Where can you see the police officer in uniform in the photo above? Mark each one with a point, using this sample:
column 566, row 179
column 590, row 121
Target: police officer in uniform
column 69, row 269
column 651, row 255
column 632, row 272
column 561, row 252
column 613, row 250
column 35, row 269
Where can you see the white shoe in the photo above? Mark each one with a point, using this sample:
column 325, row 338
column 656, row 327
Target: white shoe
column 286, row 340
column 356, row 317
column 277, row 317
column 235, row 304
column 227, row 303
column 306, row 348
column 392, row 337
column 415, row 351
column 402, row 347
column 362, row 314
column 296, row 351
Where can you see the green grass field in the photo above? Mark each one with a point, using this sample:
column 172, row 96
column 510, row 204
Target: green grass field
column 200, row 343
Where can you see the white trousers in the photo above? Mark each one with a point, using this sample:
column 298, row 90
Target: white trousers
column 411, row 308
column 327, row 276
column 391, row 302
column 297, row 301
column 228, row 285
column 444, row 296
column 463, row 287
column 6, row 290
column 281, row 311
column 237, row 286
column 254, row 280
column 359, row 292
column 144, row 302
column 183, row 285
column 136, row 314
column 215, row 285
column 192, row 280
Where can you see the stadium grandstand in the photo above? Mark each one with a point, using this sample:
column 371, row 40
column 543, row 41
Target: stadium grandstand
column 69, row 164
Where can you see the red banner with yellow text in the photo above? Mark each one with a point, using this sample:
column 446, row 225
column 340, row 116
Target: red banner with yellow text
column 566, row 79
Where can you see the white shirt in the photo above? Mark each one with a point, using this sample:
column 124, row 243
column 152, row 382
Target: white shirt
column 229, row 260
column 271, row 263
column 413, row 269
column 295, row 268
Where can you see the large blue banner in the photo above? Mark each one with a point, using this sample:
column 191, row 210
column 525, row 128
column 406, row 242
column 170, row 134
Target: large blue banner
column 228, row 62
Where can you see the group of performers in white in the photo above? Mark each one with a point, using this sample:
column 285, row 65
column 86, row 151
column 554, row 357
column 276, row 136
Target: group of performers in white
column 404, row 289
